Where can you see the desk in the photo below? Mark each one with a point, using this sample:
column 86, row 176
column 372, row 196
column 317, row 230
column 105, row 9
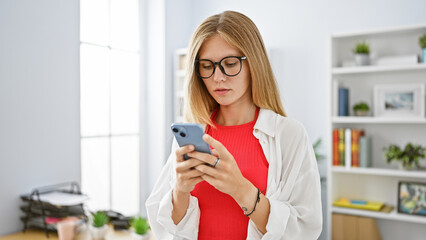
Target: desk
column 85, row 235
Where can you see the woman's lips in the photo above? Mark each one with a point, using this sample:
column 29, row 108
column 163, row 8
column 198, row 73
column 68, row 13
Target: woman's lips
column 221, row 91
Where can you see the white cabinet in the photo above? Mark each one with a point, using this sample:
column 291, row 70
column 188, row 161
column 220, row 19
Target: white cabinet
column 178, row 83
column 380, row 182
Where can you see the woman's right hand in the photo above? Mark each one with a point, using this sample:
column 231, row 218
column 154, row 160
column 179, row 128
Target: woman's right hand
column 186, row 179
column 186, row 174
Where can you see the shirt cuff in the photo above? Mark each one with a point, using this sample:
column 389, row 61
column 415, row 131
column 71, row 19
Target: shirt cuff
column 187, row 228
column 278, row 218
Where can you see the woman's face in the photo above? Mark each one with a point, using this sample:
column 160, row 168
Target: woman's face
column 224, row 89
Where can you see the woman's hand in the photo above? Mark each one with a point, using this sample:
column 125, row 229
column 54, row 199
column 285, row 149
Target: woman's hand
column 225, row 176
column 187, row 176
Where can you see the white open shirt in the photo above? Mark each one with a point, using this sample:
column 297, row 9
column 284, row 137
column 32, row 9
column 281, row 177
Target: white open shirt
column 293, row 187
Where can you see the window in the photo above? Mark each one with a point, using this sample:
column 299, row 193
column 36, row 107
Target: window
column 109, row 87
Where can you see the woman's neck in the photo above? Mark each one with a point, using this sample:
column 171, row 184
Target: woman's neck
column 236, row 114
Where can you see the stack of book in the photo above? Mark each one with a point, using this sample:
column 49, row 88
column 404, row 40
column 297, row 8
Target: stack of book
column 351, row 148
column 359, row 204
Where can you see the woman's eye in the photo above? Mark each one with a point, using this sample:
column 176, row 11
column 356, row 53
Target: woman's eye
column 231, row 64
column 207, row 67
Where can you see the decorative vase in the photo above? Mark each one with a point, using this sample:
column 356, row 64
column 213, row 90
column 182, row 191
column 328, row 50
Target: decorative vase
column 424, row 55
column 362, row 59
column 136, row 236
column 361, row 113
column 98, row 233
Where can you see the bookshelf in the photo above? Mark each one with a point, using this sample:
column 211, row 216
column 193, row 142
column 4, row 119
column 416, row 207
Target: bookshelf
column 377, row 69
column 394, row 216
column 380, row 181
column 178, row 83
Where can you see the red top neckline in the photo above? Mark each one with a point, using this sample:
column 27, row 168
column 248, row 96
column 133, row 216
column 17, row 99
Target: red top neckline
column 217, row 125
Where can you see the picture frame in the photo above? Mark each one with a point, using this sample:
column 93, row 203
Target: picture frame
column 399, row 100
column 412, row 198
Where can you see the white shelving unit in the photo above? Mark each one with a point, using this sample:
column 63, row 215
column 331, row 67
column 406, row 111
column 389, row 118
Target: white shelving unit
column 178, row 86
column 380, row 182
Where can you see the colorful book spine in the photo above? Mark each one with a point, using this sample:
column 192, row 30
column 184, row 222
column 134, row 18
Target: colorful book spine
column 335, row 147
column 341, row 147
column 343, row 105
column 364, row 152
column 348, row 148
column 355, row 147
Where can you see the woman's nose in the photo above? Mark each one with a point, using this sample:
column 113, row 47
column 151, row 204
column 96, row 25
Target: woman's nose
column 218, row 75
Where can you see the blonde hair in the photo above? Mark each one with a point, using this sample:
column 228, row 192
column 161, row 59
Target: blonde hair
column 239, row 31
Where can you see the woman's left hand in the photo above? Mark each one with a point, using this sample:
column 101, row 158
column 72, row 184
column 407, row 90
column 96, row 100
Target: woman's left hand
column 225, row 176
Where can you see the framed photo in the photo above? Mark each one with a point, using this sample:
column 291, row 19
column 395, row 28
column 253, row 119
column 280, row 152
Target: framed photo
column 412, row 198
column 399, row 100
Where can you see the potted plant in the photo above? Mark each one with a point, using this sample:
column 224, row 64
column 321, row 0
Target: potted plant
column 361, row 51
column 422, row 43
column 140, row 228
column 99, row 227
column 361, row 109
column 408, row 158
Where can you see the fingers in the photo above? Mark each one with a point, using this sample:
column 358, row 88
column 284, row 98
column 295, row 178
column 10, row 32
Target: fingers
column 181, row 151
column 221, row 150
column 207, row 170
column 194, row 173
column 215, row 153
column 184, row 166
column 205, row 157
column 209, row 179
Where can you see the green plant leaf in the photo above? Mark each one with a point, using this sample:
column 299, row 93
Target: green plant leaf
column 362, row 106
column 409, row 157
column 140, row 225
column 100, row 219
column 362, row 48
column 422, row 41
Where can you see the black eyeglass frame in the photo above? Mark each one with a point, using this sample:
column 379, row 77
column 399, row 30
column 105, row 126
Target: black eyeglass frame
column 197, row 62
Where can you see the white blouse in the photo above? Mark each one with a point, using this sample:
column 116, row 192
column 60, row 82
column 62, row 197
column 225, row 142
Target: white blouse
column 293, row 187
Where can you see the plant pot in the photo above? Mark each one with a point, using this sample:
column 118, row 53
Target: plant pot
column 98, row 233
column 136, row 236
column 424, row 55
column 362, row 59
column 360, row 113
column 407, row 167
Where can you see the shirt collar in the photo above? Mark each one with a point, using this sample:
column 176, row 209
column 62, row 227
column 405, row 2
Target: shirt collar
column 266, row 122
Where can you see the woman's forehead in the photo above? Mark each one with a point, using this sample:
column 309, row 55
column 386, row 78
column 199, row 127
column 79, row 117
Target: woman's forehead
column 215, row 48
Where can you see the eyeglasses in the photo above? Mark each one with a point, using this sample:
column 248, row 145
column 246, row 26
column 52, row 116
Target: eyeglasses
column 230, row 66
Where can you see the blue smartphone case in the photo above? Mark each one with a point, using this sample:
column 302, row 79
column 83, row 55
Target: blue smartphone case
column 190, row 134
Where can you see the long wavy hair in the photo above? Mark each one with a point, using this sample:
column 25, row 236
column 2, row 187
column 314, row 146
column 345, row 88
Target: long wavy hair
column 239, row 31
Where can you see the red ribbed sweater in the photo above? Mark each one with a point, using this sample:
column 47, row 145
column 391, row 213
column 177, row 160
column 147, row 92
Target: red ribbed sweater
column 221, row 217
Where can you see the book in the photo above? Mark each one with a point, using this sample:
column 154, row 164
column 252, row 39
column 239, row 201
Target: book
column 343, row 104
column 341, row 147
column 398, row 60
column 364, row 151
column 359, row 204
column 356, row 134
column 348, row 148
column 336, row 147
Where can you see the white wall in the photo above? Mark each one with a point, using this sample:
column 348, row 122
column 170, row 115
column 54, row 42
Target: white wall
column 39, row 100
column 297, row 33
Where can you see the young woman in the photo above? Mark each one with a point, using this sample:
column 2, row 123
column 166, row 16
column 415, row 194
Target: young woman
column 262, row 180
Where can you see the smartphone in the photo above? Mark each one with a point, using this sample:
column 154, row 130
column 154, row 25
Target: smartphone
column 190, row 134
